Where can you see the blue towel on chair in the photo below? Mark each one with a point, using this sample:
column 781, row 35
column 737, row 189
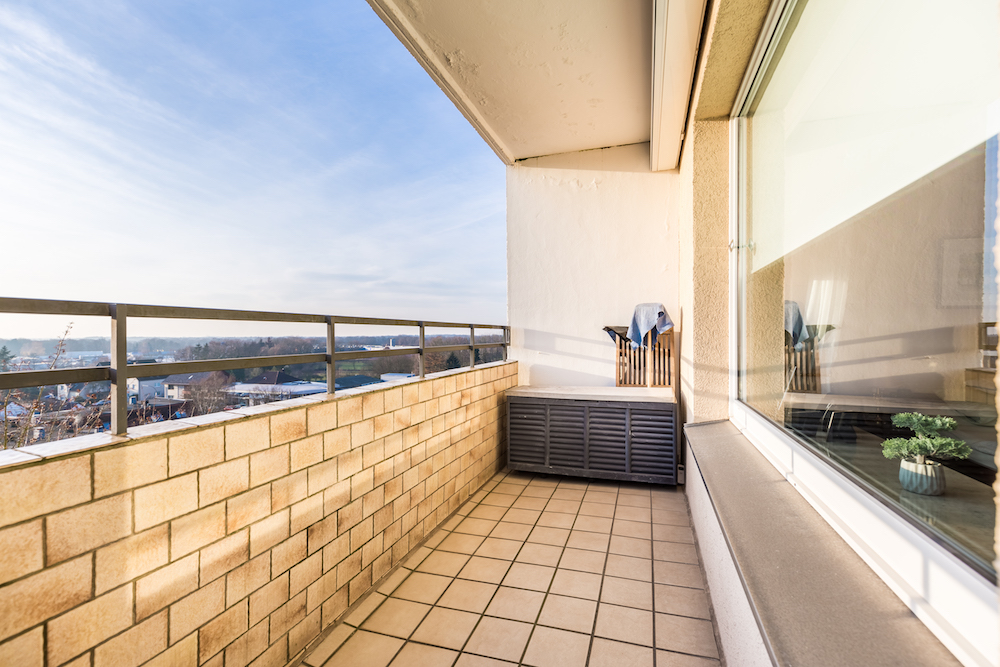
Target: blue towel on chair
column 648, row 317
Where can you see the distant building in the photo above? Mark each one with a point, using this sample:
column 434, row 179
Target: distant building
column 178, row 386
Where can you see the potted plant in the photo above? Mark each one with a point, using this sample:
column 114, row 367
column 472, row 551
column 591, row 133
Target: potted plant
column 916, row 473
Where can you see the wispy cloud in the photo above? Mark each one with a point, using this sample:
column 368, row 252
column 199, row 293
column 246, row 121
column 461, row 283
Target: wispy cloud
column 247, row 155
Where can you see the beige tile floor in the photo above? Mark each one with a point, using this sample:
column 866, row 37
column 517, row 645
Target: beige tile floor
column 541, row 571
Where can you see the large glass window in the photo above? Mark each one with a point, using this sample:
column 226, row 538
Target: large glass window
column 867, row 232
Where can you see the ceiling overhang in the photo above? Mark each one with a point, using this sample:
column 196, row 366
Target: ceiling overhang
column 542, row 77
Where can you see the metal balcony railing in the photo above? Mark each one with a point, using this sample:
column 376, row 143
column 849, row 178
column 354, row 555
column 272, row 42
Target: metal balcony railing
column 120, row 370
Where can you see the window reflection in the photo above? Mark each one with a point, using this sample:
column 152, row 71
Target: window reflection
column 868, row 283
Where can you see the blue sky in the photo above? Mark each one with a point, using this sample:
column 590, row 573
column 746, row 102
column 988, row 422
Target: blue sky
column 238, row 154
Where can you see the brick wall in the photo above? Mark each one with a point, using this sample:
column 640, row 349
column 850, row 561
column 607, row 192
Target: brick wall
column 233, row 539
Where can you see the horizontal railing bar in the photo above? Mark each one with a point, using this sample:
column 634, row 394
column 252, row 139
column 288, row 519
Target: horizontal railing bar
column 371, row 354
column 205, row 365
column 177, row 312
column 19, row 379
column 50, row 307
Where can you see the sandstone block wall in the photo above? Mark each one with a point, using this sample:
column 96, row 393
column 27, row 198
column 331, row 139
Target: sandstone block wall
column 234, row 539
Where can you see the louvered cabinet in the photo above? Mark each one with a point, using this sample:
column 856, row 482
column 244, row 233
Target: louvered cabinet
column 610, row 433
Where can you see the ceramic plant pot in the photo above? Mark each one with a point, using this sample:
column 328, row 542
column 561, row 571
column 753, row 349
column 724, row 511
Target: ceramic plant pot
column 923, row 478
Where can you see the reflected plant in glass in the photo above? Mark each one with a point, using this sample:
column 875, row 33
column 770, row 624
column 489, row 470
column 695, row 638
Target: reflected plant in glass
column 916, row 473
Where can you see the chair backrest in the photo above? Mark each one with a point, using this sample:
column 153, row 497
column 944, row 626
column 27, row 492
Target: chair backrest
column 645, row 366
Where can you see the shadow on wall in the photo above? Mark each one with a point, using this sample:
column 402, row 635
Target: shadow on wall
column 541, row 375
column 548, row 342
column 633, row 158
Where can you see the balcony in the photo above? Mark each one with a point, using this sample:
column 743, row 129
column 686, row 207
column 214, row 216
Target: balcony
column 379, row 526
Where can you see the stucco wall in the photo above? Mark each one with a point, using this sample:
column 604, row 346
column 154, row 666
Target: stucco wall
column 589, row 236
column 235, row 538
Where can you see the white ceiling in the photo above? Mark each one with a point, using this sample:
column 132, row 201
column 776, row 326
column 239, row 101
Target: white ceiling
column 540, row 77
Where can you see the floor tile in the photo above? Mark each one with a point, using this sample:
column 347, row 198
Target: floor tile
column 531, row 577
column 499, row 499
column 364, row 610
column 557, row 648
column 326, row 648
column 563, row 506
column 393, row 581
column 506, row 530
column 541, row 571
column 538, row 492
column 579, row 539
column 677, row 574
column 443, row 563
column 539, row 554
column 418, row 655
column 469, row 660
column 396, row 617
column 529, row 503
column 686, row 635
column 556, row 520
column 681, row 601
column 516, row 604
column 461, row 543
column 366, row 649
column 630, row 500
column 416, row 558
column 668, row 659
column 422, row 587
column 467, row 595
column 475, row 526
column 522, row 516
column 626, row 513
column 634, row 626
column 499, row 638
column 606, row 653
column 488, row 512
column 576, row 584
column 554, row 536
column 627, row 567
column 631, row 546
column 627, row 593
column 676, row 552
column 436, row 538
column 496, row 548
column 489, row 570
column 673, row 534
column 600, row 497
column 597, row 509
column 568, row 493
column 670, row 505
column 671, row 518
column 508, row 488
column 640, row 529
column 593, row 524
column 582, row 560
column 449, row 628
column 568, row 613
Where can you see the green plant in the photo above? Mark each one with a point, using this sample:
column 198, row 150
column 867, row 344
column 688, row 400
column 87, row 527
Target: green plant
column 927, row 442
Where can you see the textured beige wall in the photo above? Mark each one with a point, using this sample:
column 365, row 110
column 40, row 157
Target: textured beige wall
column 239, row 541
column 705, row 341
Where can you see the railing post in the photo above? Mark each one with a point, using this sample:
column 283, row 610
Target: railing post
column 331, row 348
column 119, row 369
column 506, row 341
column 472, row 346
column 420, row 355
